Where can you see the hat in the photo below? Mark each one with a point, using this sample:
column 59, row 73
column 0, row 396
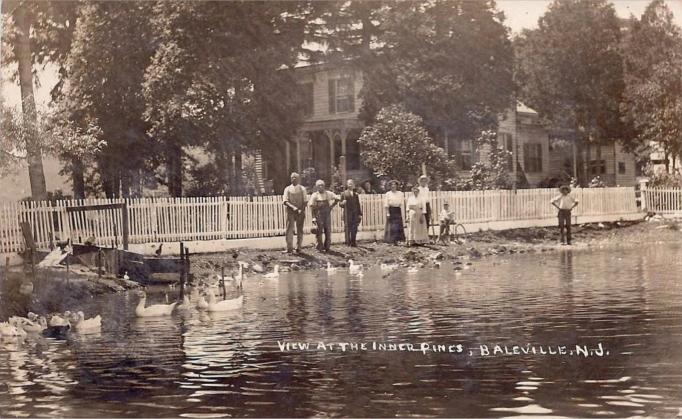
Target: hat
column 423, row 177
column 565, row 188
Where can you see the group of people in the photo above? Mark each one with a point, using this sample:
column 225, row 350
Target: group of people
column 418, row 206
column 322, row 201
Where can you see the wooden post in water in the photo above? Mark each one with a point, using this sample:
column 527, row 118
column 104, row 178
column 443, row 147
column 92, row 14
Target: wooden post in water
column 223, row 290
column 182, row 270
column 99, row 263
column 187, row 265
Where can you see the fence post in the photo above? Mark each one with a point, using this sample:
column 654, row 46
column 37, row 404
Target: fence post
column 124, row 224
column 643, row 194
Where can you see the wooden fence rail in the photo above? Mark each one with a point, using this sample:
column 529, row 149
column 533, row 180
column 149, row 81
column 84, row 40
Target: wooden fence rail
column 210, row 218
column 663, row 200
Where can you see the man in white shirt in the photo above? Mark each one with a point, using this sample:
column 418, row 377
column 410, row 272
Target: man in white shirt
column 295, row 201
column 565, row 202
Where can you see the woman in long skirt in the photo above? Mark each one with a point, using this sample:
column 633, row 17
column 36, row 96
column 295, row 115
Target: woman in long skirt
column 393, row 202
column 418, row 230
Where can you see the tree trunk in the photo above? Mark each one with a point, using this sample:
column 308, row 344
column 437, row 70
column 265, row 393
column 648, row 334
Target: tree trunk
column 238, row 172
column 22, row 50
column 78, row 178
column 174, row 163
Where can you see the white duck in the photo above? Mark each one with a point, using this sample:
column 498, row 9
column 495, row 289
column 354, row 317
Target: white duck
column 186, row 305
column 331, row 269
column 388, row 267
column 153, row 310
column 9, row 330
column 274, row 274
column 91, row 324
column 58, row 321
column 224, row 305
column 202, row 304
column 30, row 326
column 125, row 276
column 354, row 269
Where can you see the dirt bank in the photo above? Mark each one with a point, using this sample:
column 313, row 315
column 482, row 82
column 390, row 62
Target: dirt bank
column 475, row 245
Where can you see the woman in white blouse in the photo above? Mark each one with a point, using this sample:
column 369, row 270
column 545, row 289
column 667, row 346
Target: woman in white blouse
column 417, row 232
column 393, row 203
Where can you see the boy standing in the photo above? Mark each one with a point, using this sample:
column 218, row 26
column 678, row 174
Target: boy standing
column 565, row 202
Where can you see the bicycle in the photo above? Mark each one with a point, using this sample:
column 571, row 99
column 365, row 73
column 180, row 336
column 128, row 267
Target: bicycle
column 454, row 232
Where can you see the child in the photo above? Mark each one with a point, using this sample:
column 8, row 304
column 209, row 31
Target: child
column 446, row 218
column 565, row 203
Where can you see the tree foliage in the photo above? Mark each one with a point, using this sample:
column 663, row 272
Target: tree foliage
column 570, row 70
column 494, row 172
column 396, row 145
column 653, row 75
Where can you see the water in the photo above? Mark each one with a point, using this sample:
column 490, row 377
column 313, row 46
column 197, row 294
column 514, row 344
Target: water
column 229, row 364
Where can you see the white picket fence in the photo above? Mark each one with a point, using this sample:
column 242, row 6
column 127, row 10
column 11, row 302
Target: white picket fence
column 663, row 200
column 187, row 219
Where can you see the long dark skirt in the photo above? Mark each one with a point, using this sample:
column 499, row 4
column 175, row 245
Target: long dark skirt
column 394, row 231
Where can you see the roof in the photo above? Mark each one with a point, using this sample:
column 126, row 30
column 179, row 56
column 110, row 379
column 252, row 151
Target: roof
column 520, row 107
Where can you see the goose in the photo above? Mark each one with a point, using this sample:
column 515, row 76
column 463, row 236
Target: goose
column 274, row 274
column 224, row 305
column 354, row 269
column 153, row 310
column 331, row 269
column 91, row 324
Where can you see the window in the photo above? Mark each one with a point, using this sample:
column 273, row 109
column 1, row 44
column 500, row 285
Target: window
column 341, row 95
column 308, row 99
column 463, row 154
column 621, row 168
column 597, row 167
column 532, row 158
column 306, row 152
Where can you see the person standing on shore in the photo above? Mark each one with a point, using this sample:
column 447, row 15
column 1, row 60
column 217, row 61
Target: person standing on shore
column 393, row 203
column 565, row 202
column 295, row 202
column 424, row 195
column 321, row 203
column 416, row 233
column 352, row 213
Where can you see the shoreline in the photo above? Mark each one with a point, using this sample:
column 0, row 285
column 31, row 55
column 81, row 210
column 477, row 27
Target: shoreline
column 477, row 245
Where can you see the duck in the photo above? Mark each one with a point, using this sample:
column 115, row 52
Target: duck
column 354, row 269
column 58, row 321
column 274, row 274
column 186, row 305
column 202, row 304
column 388, row 267
column 83, row 325
column 225, row 305
column 153, row 310
column 36, row 326
column 11, row 331
column 331, row 269
column 125, row 276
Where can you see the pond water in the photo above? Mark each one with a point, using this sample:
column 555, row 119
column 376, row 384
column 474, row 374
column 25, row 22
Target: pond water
column 230, row 364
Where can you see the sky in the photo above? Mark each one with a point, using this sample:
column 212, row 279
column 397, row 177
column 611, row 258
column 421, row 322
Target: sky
column 520, row 14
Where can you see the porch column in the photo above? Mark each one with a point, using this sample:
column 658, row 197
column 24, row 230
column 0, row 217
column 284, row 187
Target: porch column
column 344, row 161
column 298, row 153
column 287, row 151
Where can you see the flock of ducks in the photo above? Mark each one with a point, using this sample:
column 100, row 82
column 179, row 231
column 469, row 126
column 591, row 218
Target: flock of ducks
column 201, row 297
column 18, row 327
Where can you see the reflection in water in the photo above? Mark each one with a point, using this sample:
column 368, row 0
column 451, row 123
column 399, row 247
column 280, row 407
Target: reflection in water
column 229, row 364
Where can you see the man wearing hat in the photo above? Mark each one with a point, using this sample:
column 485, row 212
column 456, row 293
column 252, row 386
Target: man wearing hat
column 565, row 202
column 424, row 198
column 321, row 203
column 295, row 201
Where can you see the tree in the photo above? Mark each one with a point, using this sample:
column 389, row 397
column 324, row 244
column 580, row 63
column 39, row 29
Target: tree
column 449, row 62
column 494, row 172
column 110, row 51
column 570, row 70
column 653, row 76
column 217, row 83
column 36, row 33
column 396, row 145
